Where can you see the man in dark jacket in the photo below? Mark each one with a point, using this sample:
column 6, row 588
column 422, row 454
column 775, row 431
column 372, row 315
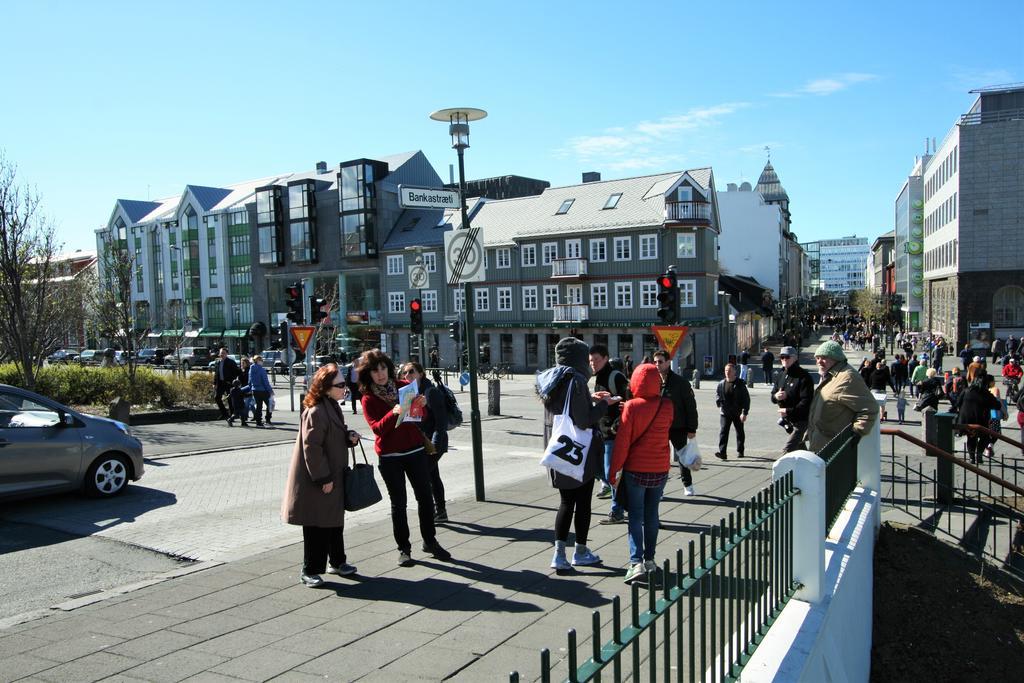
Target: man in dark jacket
column 435, row 428
column 224, row 374
column 898, row 372
column 793, row 392
column 684, row 422
column 607, row 378
column 733, row 399
column 767, row 361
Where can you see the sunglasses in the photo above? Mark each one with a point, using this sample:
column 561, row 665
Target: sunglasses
column 410, row 371
column 340, row 386
column 783, row 357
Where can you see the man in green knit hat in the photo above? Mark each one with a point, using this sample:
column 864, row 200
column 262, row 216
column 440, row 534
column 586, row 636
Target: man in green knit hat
column 840, row 399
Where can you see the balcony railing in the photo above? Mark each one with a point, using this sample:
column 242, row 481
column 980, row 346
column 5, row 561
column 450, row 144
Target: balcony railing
column 568, row 267
column 571, row 313
column 991, row 117
column 687, row 211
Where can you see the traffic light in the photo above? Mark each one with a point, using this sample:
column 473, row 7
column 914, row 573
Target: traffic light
column 294, row 302
column 454, row 330
column 416, row 316
column 317, row 310
column 668, row 298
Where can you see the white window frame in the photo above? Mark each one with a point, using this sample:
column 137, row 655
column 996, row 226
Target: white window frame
column 396, row 264
column 686, row 245
column 603, row 244
column 648, row 295
column 574, row 249
column 627, row 252
column 504, row 296
column 530, row 298
column 599, row 295
column 430, row 261
column 458, row 300
column 429, row 297
column 578, row 291
column 688, row 293
column 650, row 243
column 624, row 290
column 482, row 300
column 550, row 297
column 503, row 258
column 548, row 253
column 396, row 302
column 531, row 250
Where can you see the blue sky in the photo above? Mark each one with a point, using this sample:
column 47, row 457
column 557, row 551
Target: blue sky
column 108, row 100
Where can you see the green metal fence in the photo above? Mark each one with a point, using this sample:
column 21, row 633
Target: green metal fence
column 840, row 456
column 709, row 616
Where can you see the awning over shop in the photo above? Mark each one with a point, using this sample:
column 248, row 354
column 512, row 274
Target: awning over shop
column 192, row 334
column 236, row 332
column 172, row 333
column 212, row 333
column 155, row 334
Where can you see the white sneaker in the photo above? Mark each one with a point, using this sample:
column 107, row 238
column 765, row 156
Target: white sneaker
column 688, row 491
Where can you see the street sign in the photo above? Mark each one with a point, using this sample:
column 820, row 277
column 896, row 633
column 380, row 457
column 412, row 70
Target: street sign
column 302, row 334
column 465, row 246
column 412, row 197
column 669, row 336
column 418, row 277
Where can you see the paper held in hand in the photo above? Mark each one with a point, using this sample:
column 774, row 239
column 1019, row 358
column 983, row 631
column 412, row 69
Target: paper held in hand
column 409, row 412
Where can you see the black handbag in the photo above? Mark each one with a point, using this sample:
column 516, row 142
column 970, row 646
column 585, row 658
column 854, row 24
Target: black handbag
column 361, row 489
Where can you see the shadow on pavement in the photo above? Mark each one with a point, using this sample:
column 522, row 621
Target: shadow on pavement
column 437, row 594
column 473, row 529
column 528, row 581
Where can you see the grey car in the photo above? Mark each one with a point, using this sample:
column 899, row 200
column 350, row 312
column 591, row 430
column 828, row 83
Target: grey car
column 46, row 447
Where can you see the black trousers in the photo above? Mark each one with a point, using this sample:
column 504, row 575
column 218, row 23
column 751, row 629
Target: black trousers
column 262, row 400
column 723, row 433
column 795, row 442
column 686, row 474
column 321, row 544
column 436, row 485
column 767, row 370
column 574, row 508
column 395, row 470
column 220, row 392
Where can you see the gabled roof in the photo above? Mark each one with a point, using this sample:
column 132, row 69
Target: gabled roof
column 747, row 293
column 135, row 209
column 208, row 197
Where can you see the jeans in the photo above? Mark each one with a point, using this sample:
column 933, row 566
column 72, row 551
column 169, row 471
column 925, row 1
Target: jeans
column 744, row 370
column 609, row 446
column 319, row 545
column 643, row 518
column 436, row 485
column 394, row 470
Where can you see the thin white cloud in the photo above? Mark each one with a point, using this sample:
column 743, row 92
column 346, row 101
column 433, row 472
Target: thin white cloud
column 632, row 147
column 828, row 86
column 965, row 78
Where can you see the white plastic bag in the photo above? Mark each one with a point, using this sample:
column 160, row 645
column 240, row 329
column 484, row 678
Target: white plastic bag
column 567, row 449
column 689, row 456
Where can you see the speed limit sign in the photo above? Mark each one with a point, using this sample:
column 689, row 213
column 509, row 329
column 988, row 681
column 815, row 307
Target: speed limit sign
column 418, row 277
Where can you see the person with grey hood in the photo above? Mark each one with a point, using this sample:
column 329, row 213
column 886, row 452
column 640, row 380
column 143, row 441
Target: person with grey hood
column 569, row 378
column 840, row 399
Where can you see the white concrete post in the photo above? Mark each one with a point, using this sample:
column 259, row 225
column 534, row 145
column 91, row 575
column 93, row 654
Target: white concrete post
column 869, row 465
column 808, row 521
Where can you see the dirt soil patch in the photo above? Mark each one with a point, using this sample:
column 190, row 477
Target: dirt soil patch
column 940, row 616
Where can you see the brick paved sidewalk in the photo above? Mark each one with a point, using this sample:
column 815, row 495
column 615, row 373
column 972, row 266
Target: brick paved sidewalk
column 486, row 612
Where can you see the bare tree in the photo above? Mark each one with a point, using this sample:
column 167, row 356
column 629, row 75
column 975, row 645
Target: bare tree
column 111, row 310
column 323, row 341
column 29, row 312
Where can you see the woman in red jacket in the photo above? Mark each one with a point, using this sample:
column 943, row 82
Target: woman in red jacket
column 400, row 448
column 641, row 456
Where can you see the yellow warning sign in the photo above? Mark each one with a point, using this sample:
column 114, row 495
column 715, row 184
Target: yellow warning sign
column 669, row 337
column 302, row 334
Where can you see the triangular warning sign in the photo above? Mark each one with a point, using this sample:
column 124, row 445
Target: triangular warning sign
column 302, row 334
column 670, row 337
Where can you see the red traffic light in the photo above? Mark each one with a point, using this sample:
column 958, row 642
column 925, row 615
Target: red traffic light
column 665, row 281
column 293, row 291
column 415, row 305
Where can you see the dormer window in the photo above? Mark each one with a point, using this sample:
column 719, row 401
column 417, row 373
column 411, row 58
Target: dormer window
column 564, row 208
column 613, row 201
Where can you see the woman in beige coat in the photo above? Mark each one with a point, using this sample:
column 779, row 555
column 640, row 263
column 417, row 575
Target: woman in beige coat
column 314, row 496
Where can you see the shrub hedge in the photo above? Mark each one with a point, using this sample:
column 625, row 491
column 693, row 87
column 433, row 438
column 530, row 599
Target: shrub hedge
column 82, row 386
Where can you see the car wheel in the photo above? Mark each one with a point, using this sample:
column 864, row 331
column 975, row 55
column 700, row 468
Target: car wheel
column 186, row 367
column 107, row 476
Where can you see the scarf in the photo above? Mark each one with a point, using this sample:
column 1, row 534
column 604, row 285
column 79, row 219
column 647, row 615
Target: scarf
column 387, row 393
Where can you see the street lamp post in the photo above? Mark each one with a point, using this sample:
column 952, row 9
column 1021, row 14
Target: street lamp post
column 458, row 127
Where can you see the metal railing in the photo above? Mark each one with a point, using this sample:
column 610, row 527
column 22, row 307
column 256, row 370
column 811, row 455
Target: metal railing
column 980, row 510
column 685, row 211
column 713, row 611
column 840, row 456
column 568, row 267
column 570, row 313
column 991, row 117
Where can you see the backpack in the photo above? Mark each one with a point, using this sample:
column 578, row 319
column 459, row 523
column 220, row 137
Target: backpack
column 451, row 407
